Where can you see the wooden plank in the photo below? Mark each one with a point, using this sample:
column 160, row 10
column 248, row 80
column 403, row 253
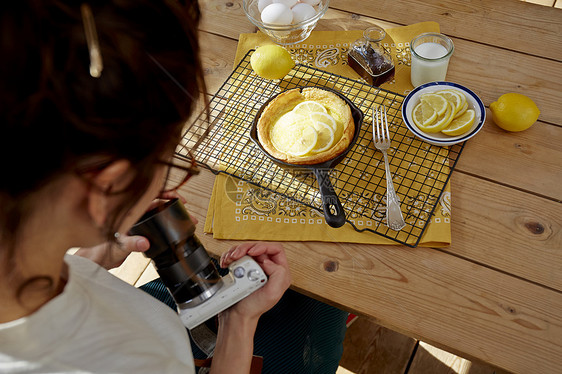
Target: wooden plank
column 431, row 360
column 132, row 268
column 149, row 274
column 486, row 216
column 541, row 2
column 534, row 152
column 224, row 17
column 511, row 24
column 371, row 348
column 444, row 300
column 217, row 57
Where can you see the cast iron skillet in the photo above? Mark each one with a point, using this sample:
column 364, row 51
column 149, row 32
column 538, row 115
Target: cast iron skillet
column 333, row 210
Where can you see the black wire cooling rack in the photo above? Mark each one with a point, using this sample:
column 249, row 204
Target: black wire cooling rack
column 420, row 170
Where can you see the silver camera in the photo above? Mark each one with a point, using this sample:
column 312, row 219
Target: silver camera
column 186, row 268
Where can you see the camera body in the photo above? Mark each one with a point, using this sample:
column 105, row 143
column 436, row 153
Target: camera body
column 244, row 277
column 186, row 269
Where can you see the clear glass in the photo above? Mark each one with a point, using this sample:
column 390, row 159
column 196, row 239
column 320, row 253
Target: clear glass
column 369, row 58
column 289, row 34
column 431, row 53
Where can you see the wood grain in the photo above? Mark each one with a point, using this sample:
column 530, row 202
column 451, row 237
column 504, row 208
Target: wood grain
column 432, row 360
column 515, row 25
column 505, row 228
column 528, row 160
column 371, row 348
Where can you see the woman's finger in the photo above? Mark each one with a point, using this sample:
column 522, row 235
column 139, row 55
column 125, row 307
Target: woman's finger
column 133, row 243
column 261, row 252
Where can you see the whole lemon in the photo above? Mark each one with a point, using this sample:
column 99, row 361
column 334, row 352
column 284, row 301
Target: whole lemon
column 514, row 112
column 271, row 61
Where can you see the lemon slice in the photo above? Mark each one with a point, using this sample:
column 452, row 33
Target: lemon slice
column 459, row 93
column 309, row 107
column 322, row 117
column 296, row 139
column 423, row 115
column 288, row 119
column 325, row 137
column 461, row 110
column 461, row 124
column 304, row 141
column 453, row 98
column 440, row 122
column 437, row 102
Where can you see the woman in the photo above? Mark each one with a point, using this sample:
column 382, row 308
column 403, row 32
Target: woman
column 94, row 98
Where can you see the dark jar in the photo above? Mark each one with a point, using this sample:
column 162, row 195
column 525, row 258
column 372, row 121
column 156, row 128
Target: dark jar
column 369, row 59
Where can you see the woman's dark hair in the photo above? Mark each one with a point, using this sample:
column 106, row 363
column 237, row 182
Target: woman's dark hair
column 58, row 119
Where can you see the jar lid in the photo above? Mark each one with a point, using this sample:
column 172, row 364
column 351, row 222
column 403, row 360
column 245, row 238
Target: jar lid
column 374, row 34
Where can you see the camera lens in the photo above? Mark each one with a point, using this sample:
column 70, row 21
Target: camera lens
column 179, row 257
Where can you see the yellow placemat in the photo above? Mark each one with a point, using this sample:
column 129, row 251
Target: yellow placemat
column 239, row 210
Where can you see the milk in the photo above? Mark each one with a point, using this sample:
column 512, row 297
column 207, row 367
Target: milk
column 429, row 63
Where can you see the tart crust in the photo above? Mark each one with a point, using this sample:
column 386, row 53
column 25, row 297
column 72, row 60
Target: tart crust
column 285, row 102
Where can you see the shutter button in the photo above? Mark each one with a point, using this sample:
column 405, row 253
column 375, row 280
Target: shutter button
column 239, row 272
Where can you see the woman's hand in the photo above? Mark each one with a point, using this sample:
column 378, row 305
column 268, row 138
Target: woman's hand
column 237, row 324
column 271, row 257
column 111, row 255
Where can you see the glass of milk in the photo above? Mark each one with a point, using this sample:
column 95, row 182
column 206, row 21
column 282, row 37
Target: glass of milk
column 430, row 57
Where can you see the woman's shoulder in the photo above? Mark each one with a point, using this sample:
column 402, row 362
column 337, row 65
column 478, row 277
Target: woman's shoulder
column 98, row 323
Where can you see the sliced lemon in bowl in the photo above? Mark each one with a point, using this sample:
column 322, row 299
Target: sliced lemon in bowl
column 462, row 110
column 460, row 94
column 437, row 102
column 461, row 124
column 423, row 115
column 309, row 106
column 440, row 122
column 453, row 98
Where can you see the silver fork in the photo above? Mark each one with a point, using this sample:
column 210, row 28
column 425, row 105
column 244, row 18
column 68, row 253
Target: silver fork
column 381, row 138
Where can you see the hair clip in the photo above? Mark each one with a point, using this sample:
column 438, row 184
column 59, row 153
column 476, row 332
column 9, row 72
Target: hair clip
column 96, row 63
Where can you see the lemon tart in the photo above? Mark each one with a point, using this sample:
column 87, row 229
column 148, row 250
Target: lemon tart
column 306, row 127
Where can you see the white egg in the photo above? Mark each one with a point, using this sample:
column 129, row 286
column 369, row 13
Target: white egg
column 277, row 14
column 263, row 3
column 302, row 12
column 311, row 2
column 289, row 3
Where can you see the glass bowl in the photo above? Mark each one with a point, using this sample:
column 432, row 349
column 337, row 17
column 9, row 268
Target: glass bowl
column 289, row 34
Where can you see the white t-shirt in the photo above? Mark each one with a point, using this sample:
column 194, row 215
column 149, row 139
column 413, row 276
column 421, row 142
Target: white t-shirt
column 98, row 324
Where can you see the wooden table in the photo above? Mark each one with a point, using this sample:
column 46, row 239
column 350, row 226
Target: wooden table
column 495, row 294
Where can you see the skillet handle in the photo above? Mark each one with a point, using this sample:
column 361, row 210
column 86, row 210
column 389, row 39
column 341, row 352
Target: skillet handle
column 333, row 210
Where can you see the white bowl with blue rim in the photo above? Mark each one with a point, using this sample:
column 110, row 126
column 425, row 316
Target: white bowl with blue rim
column 439, row 138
